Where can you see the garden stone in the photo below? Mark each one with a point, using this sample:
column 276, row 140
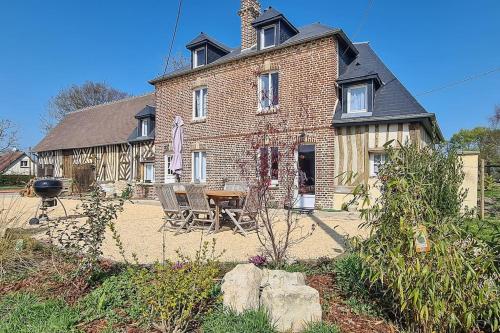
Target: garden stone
column 281, row 279
column 291, row 308
column 240, row 288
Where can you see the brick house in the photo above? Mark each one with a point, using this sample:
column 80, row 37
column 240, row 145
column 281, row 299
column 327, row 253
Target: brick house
column 355, row 104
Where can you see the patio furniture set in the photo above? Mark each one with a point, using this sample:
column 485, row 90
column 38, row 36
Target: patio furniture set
column 191, row 206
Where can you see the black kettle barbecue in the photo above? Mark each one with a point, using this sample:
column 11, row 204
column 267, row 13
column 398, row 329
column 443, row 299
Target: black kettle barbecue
column 48, row 190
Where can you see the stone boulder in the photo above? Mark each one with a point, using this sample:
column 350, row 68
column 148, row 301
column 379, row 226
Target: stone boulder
column 291, row 307
column 281, row 279
column 241, row 288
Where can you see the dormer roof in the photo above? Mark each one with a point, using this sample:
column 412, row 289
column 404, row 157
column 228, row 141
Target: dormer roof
column 204, row 38
column 148, row 112
column 271, row 15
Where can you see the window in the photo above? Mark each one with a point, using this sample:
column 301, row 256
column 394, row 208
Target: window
column 24, row 164
column 199, row 166
column 268, row 37
column 376, row 160
column 144, row 127
column 268, row 90
column 149, row 173
column 200, row 103
column 269, row 163
column 199, row 58
column 357, row 99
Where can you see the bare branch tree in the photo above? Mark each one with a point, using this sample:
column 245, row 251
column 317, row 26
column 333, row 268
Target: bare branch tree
column 177, row 62
column 77, row 97
column 8, row 135
column 495, row 118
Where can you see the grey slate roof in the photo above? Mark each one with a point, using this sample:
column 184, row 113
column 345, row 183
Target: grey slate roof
column 148, row 111
column 306, row 33
column 202, row 37
column 392, row 101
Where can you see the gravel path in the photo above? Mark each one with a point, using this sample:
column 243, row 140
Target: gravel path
column 139, row 223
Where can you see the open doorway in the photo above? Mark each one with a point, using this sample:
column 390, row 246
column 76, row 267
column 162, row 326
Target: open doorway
column 306, row 179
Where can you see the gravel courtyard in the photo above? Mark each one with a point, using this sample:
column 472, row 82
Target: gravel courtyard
column 140, row 222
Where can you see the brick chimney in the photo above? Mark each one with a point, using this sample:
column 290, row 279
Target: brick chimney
column 249, row 11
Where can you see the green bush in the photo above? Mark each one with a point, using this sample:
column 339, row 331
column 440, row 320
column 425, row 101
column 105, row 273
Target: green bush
column 14, row 180
column 227, row 321
column 26, row 313
column 115, row 300
column 452, row 288
column 321, row 327
column 348, row 272
column 179, row 293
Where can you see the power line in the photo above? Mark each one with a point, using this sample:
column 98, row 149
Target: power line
column 454, row 83
column 366, row 12
column 173, row 36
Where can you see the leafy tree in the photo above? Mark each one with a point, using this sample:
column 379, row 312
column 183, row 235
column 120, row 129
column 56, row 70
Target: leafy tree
column 484, row 139
column 77, row 97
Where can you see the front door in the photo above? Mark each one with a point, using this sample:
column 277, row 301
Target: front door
column 306, row 178
column 169, row 175
column 67, row 164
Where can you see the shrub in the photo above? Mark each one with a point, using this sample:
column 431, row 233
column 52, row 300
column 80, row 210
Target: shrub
column 258, row 260
column 321, row 327
column 14, row 180
column 448, row 289
column 178, row 293
column 348, row 272
column 26, row 313
column 227, row 321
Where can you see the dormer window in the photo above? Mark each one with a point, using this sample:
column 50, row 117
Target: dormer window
column 268, row 36
column 144, row 127
column 199, row 57
column 357, row 99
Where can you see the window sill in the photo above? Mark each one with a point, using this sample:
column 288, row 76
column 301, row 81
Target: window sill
column 356, row 114
column 199, row 121
column 268, row 110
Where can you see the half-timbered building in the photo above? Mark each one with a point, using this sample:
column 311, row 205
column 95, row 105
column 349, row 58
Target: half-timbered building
column 111, row 144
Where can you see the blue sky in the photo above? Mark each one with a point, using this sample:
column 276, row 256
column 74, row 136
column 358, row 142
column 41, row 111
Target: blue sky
column 48, row 45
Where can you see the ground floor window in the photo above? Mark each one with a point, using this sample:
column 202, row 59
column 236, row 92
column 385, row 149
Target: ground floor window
column 149, row 172
column 269, row 164
column 199, row 166
column 376, row 160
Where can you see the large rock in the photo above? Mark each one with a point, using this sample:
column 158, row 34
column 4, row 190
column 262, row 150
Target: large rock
column 292, row 307
column 241, row 287
column 281, row 279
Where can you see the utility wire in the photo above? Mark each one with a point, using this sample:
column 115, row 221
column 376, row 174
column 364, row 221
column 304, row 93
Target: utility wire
column 366, row 12
column 454, row 83
column 173, row 36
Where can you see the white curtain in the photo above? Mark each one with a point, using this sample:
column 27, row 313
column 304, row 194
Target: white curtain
column 357, row 99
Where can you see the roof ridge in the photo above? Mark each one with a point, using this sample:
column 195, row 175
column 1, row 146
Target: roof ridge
column 367, row 42
column 112, row 102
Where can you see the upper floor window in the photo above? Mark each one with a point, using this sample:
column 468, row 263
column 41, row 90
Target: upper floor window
column 200, row 103
column 357, row 99
column 268, row 90
column 24, row 164
column 144, row 127
column 200, row 57
column 268, row 36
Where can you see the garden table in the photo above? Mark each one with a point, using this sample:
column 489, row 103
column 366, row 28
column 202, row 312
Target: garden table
column 219, row 196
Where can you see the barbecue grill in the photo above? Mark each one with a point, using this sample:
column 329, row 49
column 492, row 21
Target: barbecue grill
column 48, row 190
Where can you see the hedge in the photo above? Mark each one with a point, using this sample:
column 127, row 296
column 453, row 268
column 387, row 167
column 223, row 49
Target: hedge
column 14, row 180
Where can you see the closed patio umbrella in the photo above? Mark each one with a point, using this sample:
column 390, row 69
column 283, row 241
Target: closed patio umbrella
column 177, row 142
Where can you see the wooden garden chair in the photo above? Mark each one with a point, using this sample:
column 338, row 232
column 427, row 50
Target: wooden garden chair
column 234, row 186
column 177, row 217
column 203, row 214
column 245, row 218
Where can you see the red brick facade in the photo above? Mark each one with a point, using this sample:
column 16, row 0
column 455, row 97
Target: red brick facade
column 307, row 75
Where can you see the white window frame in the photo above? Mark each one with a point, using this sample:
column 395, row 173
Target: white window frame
column 372, row 163
column 146, row 164
column 203, row 103
column 262, row 36
column 144, row 127
column 200, row 164
column 365, row 86
column 24, row 166
column 271, row 91
column 195, row 57
column 169, row 174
